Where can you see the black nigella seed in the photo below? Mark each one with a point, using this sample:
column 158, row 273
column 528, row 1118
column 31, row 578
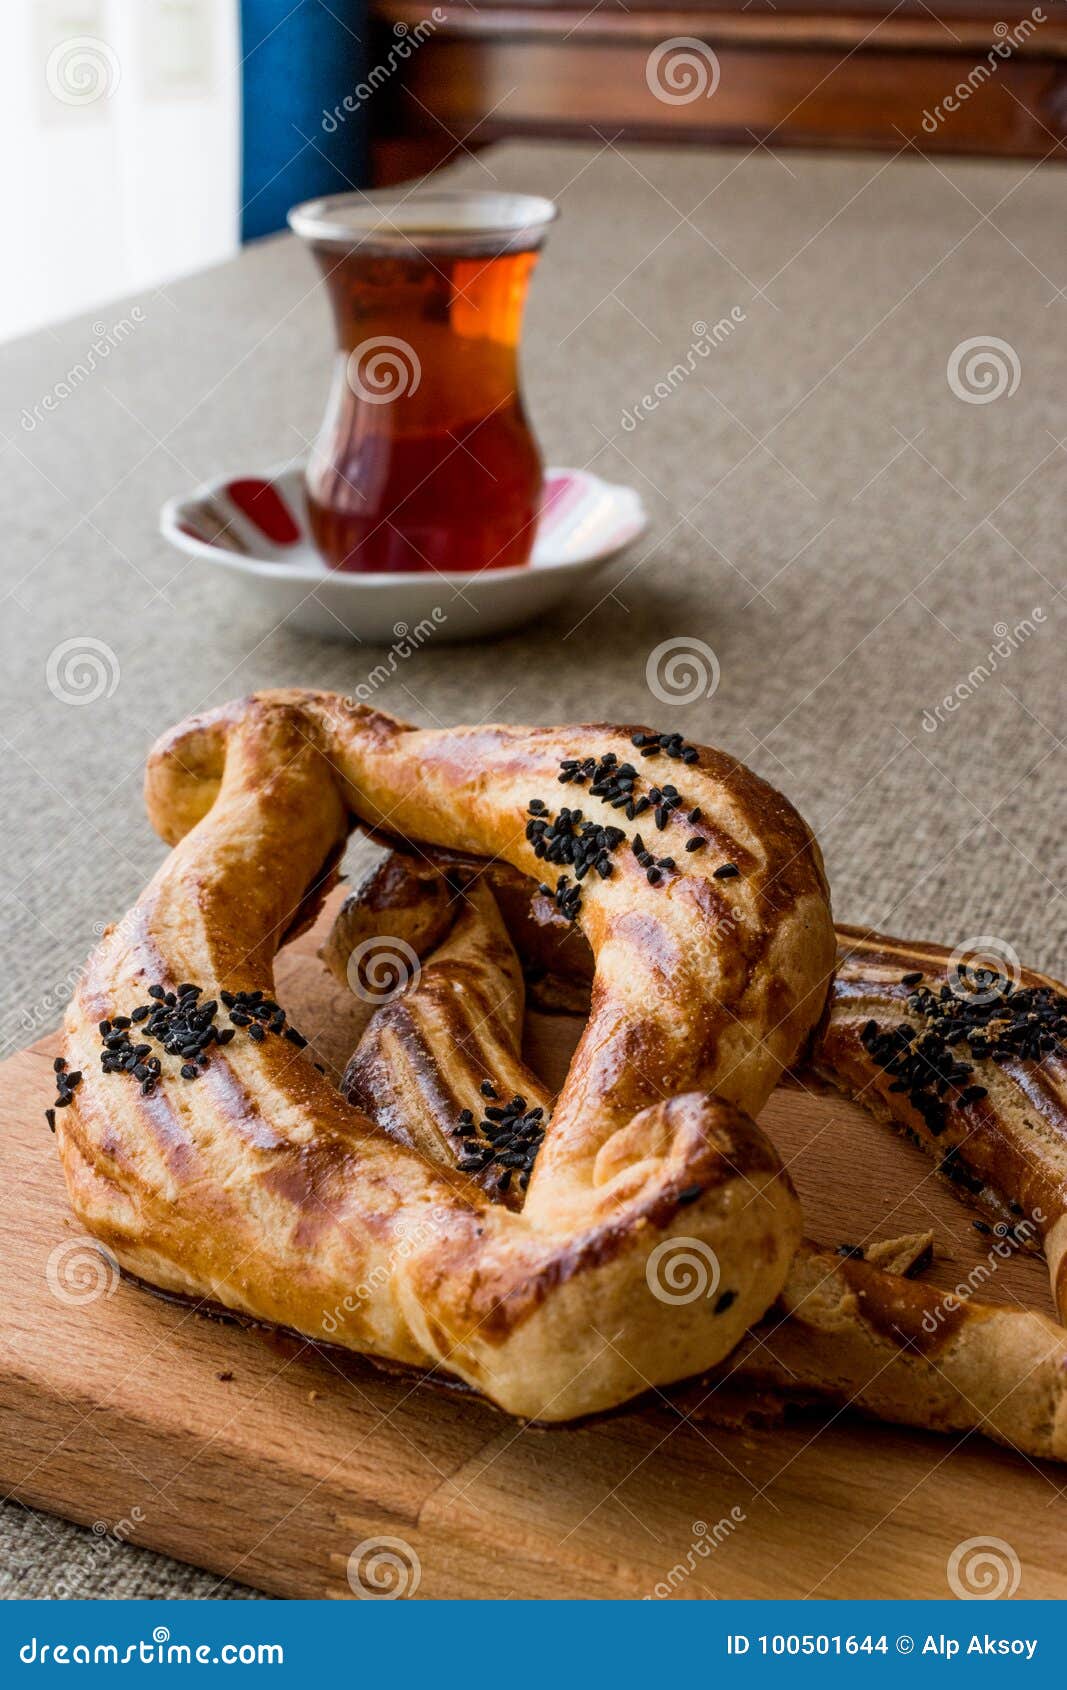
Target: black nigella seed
column 690, row 1194
column 695, row 844
column 653, row 876
column 727, row 1299
column 58, row 1064
column 139, row 1014
column 189, row 1071
column 973, row 1094
column 256, row 1032
column 50, row 1117
column 911, row 979
column 487, row 1088
column 726, row 871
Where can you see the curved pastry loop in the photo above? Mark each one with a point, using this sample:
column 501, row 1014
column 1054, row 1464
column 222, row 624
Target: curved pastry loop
column 855, row 1332
column 256, row 1185
column 997, row 1131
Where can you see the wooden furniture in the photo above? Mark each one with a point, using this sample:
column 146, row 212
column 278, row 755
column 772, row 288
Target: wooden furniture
column 263, row 1456
column 961, row 76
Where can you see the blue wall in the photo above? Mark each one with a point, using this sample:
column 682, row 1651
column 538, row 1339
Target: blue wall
column 298, row 63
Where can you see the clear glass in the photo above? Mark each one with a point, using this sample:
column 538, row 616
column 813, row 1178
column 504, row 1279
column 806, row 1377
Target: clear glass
column 425, row 458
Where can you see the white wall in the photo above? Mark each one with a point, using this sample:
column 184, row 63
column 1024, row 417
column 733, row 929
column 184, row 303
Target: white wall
column 119, row 134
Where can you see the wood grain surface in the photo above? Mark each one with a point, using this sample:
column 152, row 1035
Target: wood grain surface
column 265, row 1457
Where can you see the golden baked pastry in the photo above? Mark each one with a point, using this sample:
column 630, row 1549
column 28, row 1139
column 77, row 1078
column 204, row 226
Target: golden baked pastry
column 858, row 1333
column 847, row 1328
column 205, row 1150
column 969, row 1062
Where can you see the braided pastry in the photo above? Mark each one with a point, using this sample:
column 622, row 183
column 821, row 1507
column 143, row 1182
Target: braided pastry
column 214, row 1160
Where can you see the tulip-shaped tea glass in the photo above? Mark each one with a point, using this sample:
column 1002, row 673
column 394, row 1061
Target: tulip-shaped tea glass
column 425, row 458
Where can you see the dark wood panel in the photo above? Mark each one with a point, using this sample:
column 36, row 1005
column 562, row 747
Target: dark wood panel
column 971, row 26
column 798, row 77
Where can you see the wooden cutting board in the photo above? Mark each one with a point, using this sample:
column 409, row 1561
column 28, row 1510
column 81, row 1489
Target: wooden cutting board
column 265, row 1458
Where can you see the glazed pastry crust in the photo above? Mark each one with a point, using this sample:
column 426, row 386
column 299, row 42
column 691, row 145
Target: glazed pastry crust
column 851, row 1332
column 260, row 1188
column 860, row 1333
column 1005, row 1152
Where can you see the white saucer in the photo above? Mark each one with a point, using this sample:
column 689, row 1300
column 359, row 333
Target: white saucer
column 256, row 526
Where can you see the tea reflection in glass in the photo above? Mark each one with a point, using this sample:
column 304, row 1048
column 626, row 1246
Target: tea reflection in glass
column 425, row 458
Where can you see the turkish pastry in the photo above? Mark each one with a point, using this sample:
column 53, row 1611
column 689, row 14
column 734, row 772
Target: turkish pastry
column 205, row 1150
